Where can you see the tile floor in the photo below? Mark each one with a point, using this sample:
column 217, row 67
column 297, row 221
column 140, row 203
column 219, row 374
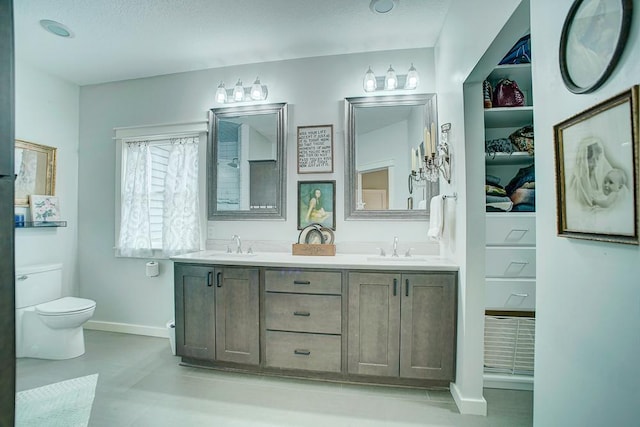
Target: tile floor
column 141, row 384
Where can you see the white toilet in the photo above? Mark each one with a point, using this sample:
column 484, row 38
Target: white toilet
column 47, row 325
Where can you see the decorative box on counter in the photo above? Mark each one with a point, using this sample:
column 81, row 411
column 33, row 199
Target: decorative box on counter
column 313, row 249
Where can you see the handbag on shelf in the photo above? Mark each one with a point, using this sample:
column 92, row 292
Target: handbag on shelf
column 507, row 94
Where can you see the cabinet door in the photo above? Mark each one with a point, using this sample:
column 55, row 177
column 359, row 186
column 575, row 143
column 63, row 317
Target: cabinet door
column 237, row 315
column 374, row 324
column 194, row 310
column 428, row 326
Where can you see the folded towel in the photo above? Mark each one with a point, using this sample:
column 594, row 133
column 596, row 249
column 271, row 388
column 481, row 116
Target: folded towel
column 436, row 219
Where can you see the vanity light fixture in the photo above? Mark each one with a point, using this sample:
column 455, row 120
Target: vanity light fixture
column 239, row 93
column 391, row 80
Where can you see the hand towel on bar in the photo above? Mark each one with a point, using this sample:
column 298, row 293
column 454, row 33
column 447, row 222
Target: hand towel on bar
column 436, row 219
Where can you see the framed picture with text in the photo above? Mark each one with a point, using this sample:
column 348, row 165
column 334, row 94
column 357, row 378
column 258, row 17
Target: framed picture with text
column 315, row 149
column 597, row 184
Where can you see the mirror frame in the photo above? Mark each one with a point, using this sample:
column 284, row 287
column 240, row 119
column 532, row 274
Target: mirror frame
column 215, row 114
column 350, row 211
column 50, row 175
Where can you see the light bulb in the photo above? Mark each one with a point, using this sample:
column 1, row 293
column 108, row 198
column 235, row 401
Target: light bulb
column 412, row 78
column 221, row 94
column 238, row 91
column 256, row 90
column 369, row 83
column 390, row 80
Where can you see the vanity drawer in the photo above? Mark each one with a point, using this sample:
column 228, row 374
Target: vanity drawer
column 511, row 229
column 510, row 295
column 312, row 352
column 304, row 313
column 511, row 262
column 305, row 282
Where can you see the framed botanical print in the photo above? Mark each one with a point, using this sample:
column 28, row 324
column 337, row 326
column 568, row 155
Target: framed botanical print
column 597, row 184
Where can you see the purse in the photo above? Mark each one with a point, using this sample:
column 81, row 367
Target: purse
column 507, row 94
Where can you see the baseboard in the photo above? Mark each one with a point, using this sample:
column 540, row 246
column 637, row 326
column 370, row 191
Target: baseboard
column 468, row 406
column 127, row 328
column 509, row 382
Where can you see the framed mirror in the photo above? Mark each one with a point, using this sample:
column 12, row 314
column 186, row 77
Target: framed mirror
column 246, row 172
column 384, row 143
column 35, row 168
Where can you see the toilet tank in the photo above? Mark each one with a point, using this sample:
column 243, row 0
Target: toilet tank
column 37, row 284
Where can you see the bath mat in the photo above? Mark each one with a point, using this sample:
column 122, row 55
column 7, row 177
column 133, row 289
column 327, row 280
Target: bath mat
column 64, row 404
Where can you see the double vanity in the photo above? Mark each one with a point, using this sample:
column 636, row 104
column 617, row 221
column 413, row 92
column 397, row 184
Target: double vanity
column 352, row 318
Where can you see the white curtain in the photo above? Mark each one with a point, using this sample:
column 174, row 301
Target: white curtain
column 135, row 234
column 181, row 216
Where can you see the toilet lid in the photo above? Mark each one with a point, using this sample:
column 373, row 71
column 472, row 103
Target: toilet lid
column 65, row 305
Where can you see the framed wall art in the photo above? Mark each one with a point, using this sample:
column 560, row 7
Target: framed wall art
column 44, row 208
column 315, row 149
column 597, row 185
column 593, row 39
column 317, row 203
column 35, row 171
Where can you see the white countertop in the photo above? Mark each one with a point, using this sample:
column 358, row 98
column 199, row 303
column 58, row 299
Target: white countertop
column 344, row 261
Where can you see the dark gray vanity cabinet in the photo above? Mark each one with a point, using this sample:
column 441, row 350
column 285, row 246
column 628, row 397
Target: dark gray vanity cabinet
column 237, row 305
column 195, row 311
column 402, row 325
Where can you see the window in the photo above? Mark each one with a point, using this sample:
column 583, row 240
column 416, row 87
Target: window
column 159, row 211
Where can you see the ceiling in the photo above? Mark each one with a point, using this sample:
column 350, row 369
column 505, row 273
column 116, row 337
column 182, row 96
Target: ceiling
column 124, row 39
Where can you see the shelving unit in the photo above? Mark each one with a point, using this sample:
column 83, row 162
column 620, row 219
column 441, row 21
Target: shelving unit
column 42, row 224
column 510, row 251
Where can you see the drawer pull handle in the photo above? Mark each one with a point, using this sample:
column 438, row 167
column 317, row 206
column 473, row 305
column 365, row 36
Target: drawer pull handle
column 395, row 287
column 219, row 279
column 301, row 282
column 521, row 295
column 515, row 268
column 516, row 234
column 302, row 313
column 302, row 352
column 406, row 289
column 22, row 278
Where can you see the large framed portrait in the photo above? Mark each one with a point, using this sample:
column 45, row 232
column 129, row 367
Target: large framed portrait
column 593, row 39
column 597, row 184
column 317, row 203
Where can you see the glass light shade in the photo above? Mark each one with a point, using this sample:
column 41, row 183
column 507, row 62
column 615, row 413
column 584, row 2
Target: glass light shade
column 412, row 78
column 221, row 94
column 369, row 83
column 238, row 91
column 256, row 90
column 390, row 80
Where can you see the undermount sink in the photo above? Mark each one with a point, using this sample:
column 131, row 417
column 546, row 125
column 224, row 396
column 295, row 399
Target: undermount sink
column 380, row 258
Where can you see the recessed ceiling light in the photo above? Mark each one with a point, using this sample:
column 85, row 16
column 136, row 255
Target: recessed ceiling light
column 56, row 28
column 382, row 6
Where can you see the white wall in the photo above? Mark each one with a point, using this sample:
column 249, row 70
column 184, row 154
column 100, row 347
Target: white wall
column 47, row 113
column 469, row 30
column 587, row 292
column 314, row 89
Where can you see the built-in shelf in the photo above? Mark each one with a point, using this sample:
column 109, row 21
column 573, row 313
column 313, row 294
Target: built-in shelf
column 42, row 224
column 515, row 158
column 502, row 117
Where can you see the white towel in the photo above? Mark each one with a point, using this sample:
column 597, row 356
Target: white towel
column 436, row 220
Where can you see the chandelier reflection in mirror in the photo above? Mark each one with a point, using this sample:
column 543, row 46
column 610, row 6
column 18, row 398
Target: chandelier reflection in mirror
column 436, row 159
column 239, row 93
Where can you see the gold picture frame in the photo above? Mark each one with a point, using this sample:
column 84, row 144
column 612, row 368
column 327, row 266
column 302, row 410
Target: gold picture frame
column 35, row 171
column 597, row 184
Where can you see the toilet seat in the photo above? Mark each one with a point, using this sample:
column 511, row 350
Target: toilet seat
column 65, row 306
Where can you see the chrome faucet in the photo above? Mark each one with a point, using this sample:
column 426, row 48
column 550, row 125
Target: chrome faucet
column 236, row 238
column 395, row 246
